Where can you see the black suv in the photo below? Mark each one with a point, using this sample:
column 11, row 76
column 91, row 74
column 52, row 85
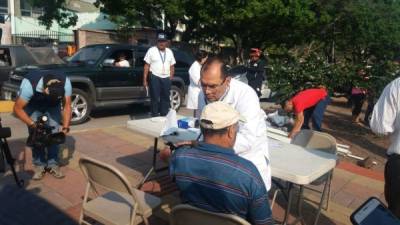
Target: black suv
column 97, row 82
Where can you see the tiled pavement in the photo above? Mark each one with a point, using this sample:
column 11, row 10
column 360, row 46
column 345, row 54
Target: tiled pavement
column 130, row 152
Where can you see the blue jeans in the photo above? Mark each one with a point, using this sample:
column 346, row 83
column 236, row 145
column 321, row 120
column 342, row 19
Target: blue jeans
column 47, row 156
column 316, row 114
column 159, row 94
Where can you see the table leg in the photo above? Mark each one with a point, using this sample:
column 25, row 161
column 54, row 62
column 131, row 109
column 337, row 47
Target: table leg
column 300, row 207
column 327, row 182
column 153, row 167
column 155, row 151
column 290, row 197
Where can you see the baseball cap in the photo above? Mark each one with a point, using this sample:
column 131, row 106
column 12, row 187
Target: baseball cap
column 219, row 115
column 255, row 51
column 55, row 87
column 161, row 37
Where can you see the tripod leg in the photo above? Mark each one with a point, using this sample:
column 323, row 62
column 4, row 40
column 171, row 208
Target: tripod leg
column 2, row 161
column 10, row 160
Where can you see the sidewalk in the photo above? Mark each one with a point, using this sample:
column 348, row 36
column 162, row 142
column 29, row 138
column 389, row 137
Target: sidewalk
column 130, row 152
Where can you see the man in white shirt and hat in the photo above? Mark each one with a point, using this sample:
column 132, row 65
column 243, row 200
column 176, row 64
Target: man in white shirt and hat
column 385, row 120
column 251, row 141
column 159, row 63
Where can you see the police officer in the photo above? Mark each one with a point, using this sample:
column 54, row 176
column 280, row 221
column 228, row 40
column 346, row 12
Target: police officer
column 256, row 70
column 43, row 93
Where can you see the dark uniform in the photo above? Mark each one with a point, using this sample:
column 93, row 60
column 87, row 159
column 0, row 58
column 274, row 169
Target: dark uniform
column 256, row 75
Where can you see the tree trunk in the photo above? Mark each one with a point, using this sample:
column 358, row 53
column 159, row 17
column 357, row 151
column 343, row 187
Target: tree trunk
column 238, row 43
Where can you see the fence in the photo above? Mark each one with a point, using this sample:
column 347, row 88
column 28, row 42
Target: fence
column 41, row 38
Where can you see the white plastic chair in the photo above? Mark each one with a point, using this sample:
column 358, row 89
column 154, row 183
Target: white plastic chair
column 184, row 214
column 121, row 205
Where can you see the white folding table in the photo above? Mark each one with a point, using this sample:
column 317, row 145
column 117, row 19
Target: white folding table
column 291, row 163
column 299, row 166
column 153, row 128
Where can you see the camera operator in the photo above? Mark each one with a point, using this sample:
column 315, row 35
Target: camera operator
column 42, row 93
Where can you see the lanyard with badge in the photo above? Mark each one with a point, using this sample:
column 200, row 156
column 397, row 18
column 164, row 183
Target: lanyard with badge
column 163, row 59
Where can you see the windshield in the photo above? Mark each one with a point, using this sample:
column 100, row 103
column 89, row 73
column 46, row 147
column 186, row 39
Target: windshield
column 89, row 55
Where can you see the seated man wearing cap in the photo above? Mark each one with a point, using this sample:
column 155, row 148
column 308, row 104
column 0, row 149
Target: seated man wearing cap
column 211, row 176
column 42, row 93
column 251, row 142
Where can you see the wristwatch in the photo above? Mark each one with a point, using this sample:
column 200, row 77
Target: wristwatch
column 66, row 129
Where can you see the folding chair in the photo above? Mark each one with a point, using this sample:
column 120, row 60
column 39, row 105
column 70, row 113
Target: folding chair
column 321, row 142
column 189, row 215
column 121, row 205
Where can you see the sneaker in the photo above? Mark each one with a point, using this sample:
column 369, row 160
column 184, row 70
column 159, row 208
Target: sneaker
column 56, row 172
column 39, row 172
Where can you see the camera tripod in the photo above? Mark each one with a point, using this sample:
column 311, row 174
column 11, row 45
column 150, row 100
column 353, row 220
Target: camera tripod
column 5, row 154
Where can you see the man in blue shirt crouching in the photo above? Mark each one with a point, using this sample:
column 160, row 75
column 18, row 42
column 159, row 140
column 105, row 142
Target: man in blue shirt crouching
column 211, row 176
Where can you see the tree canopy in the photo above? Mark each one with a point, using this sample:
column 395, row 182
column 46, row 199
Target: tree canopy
column 308, row 40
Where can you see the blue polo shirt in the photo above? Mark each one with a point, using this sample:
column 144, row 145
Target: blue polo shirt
column 215, row 179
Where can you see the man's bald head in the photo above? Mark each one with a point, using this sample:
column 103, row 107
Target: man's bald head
column 214, row 79
column 216, row 64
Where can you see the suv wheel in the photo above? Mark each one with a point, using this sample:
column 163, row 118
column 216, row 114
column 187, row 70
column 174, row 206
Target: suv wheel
column 80, row 106
column 176, row 97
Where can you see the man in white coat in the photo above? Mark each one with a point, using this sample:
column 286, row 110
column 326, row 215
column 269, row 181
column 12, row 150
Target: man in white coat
column 194, row 75
column 251, row 142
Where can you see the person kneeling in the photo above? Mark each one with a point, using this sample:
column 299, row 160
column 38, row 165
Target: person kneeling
column 211, row 176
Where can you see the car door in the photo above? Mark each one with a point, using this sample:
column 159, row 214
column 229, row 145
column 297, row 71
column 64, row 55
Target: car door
column 138, row 62
column 183, row 63
column 116, row 82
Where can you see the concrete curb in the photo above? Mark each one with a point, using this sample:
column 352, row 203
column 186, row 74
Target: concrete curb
column 6, row 106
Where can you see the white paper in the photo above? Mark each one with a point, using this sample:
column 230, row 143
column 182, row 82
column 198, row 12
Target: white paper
column 171, row 123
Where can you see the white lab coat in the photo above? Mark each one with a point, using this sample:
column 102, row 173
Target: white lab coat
column 194, row 87
column 251, row 141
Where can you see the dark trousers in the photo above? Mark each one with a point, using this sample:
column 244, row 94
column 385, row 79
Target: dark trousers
column 256, row 84
column 159, row 95
column 392, row 184
column 370, row 108
column 357, row 101
column 316, row 114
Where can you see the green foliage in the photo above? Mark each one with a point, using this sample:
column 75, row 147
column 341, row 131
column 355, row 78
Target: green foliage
column 289, row 73
column 311, row 42
column 55, row 10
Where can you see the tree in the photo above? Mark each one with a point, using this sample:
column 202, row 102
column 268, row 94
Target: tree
column 55, row 10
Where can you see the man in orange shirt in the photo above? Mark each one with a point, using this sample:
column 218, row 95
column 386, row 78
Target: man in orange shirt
column 306, row 104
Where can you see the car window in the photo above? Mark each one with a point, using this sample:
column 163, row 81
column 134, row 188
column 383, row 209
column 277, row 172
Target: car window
column 183, row 59
column 122, row 55
column 139, row 62
column 5, row 58
column 45, row 55
column 89, row 55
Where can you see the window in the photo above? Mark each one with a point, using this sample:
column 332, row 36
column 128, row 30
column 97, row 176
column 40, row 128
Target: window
column 183, row 59
column 27, row 10
column 122, row 55
column 89, row 55
column 3, row 6
column 5, row 59
column 139, row 62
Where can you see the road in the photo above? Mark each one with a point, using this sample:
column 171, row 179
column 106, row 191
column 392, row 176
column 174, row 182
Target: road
column 106, row 117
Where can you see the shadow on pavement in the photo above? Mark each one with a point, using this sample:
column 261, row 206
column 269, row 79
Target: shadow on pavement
column 67, row 151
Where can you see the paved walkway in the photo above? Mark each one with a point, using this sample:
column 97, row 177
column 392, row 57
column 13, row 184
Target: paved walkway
column 130, row 153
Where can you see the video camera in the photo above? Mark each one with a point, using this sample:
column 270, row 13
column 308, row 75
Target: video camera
column 41, row 135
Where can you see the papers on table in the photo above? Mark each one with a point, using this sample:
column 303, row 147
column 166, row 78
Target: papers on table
column 171, row 123
column 274, row 144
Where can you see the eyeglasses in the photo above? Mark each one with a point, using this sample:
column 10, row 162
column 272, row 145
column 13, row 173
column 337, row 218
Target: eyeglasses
column 212, row 86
